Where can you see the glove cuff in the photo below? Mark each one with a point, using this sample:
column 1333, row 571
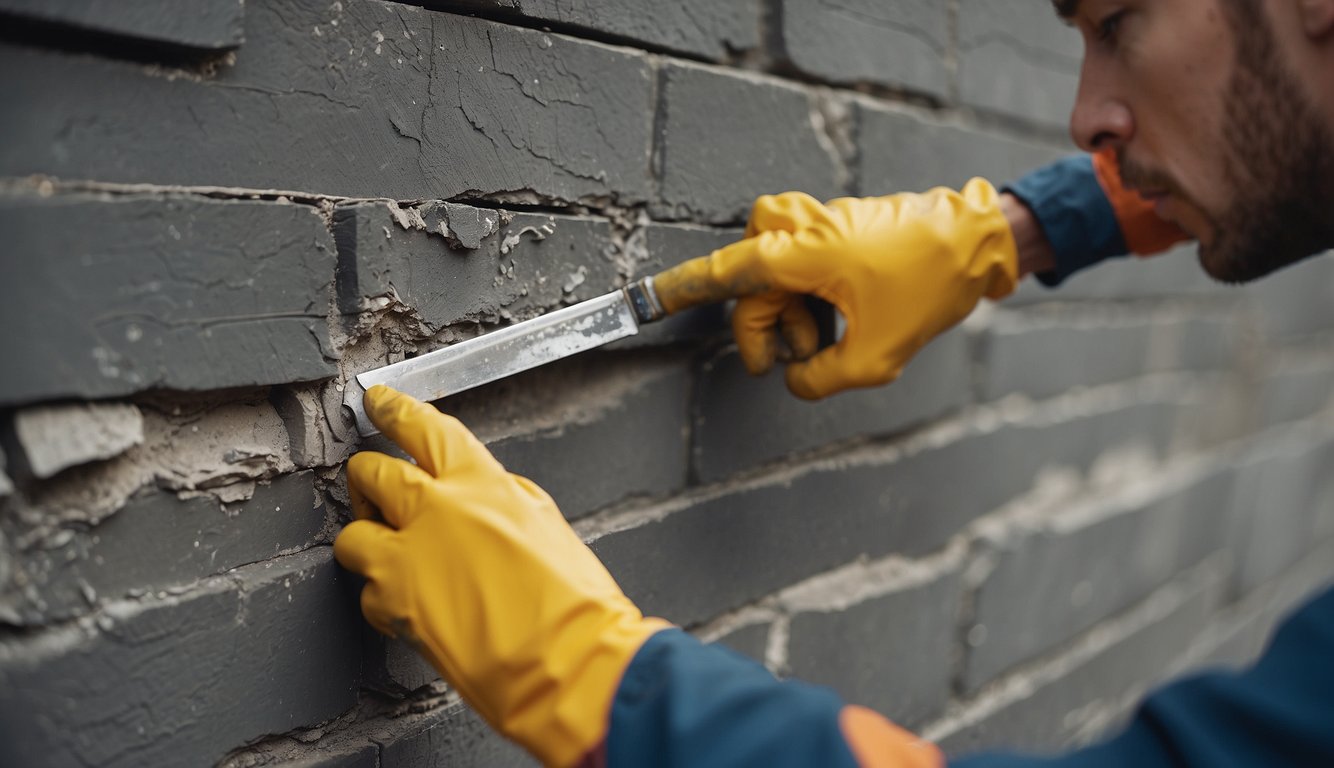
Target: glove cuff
column 566, row 715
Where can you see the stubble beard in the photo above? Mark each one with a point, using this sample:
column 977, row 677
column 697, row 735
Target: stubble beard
column 1279, row 164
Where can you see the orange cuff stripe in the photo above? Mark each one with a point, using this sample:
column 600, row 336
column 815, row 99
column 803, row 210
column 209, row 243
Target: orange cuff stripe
column 877, row 743
column 1145, row 234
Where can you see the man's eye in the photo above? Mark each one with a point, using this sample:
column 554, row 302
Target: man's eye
column 1110, row 26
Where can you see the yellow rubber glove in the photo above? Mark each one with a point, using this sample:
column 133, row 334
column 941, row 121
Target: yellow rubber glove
column 901, row 269
column 478, row 569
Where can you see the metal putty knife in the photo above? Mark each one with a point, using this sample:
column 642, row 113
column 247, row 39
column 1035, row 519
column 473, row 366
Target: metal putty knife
column 511, row 350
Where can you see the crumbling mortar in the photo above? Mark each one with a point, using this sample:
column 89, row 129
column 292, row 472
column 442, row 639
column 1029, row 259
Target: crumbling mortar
column 376, row 720
column 217, row 444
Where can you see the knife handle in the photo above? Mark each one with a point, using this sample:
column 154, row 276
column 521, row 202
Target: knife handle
column 644, row 301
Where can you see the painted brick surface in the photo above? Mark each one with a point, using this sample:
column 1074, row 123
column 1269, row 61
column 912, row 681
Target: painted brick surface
column 199, row 24
column 1073, row 705
column 1174, row 273
column 902, row 151
column 1042, row 360
column 751, row 640
column 527, row 263
column 901, row 44
column 180, row 293
column 1282, row 503
column 1295, row 392
column 6, row 485
column 192, row 538
column 1091, row 570
column 734, row 408
column 917, row 623
column 723, row 139
column 218, row 230
column 507, row 109
column 751, row 541
column 278, row 638
column 587, row 465
column 1297, row 302
column 460, row 738
column 1018, row 59
column 698, row 27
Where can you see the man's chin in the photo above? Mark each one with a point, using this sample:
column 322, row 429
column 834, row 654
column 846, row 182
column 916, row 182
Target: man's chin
column 1235, row 265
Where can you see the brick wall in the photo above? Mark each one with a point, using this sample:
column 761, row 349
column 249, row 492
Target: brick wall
column 215, row 212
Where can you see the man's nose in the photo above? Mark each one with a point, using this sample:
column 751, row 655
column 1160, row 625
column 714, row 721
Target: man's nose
column 1100, row 118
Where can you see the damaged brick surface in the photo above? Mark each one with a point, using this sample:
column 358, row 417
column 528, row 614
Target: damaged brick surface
column 700, row 27
column 511, row 112
column 205, row 25
column 131, row 293
column 194, row 537
column 214, row 222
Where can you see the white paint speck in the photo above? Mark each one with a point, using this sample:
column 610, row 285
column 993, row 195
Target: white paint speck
column 133, row 333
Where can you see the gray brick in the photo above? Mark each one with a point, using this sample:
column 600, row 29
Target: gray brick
column 209, row 25
column 873, row 655
column 1041, row 360
column 56, row 437
column 191, row 539
column 667, row 245
column 1171, row 274
column 751, row 640
column 459, row 739
column 192, row 675
column 587, row 465
column 6, row 485
column 742, row 421
column 1057, row 714
column 724, row 139
column 1049, row 586
column 1289, row 393
column 703, row 28
column 359, row 99
column 1298, row 301
column 749, row 542
column 1197, row 343
column 900, row 151
column 901, row 43
column 1238, row 634
column 365, row 756
column 528, row 263
column 1282, row 506
column 1018, row 59
column 122, row 294
column 393, row 666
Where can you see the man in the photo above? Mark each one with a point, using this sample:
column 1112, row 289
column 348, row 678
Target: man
column 1207, row 118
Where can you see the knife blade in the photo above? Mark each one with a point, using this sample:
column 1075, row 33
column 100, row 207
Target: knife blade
column 514, row 349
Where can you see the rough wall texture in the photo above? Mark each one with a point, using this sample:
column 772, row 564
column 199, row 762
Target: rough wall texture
column 215, row 217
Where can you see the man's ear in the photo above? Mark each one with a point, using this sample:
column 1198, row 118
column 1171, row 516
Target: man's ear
column 1317, row 17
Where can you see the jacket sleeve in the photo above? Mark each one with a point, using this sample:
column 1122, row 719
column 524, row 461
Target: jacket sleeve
column 1279, row 712
column 685, row 703
column 1088, row 215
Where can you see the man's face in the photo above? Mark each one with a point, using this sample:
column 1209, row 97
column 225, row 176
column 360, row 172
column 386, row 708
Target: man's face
column 1209, row 124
